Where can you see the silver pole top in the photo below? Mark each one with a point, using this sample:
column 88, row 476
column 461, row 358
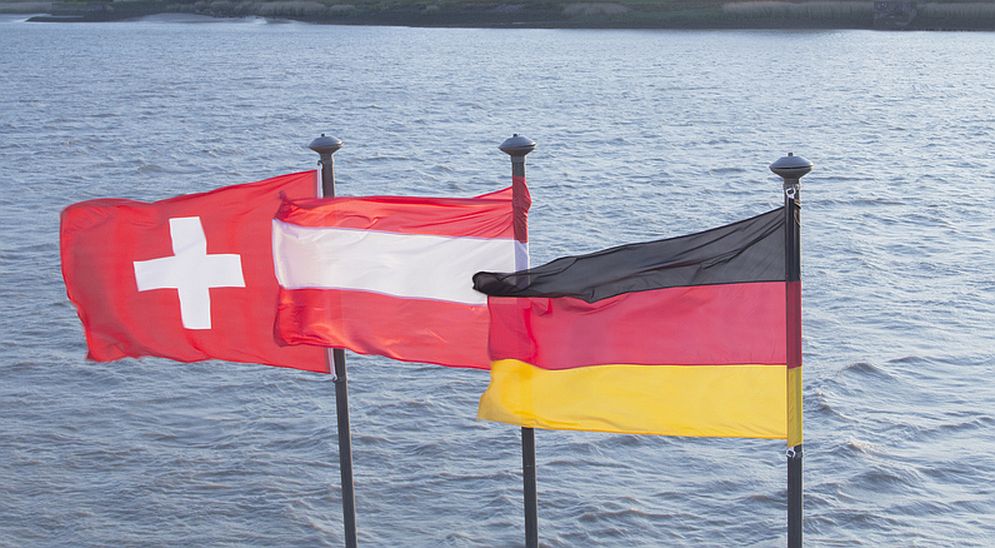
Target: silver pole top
column 791, row 167
column 517, row 145
column 325, row 145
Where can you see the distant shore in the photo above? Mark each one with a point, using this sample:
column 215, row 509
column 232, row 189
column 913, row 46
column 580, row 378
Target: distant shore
column 634, row 14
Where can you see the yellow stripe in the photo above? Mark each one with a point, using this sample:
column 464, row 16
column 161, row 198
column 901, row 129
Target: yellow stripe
column 794, row 406
column 746, row 401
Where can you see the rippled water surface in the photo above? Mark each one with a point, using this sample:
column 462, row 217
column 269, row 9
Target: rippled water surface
column 641, row 134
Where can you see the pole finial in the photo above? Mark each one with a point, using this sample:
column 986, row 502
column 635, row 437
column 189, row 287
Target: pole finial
column 791, row 167
column 325, row 146
column 517, row 145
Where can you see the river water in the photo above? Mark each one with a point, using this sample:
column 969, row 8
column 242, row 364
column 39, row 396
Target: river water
column 641, row 134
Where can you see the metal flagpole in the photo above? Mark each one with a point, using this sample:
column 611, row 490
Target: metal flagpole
column 791, row 169
column 325, row 147
column 517, row 146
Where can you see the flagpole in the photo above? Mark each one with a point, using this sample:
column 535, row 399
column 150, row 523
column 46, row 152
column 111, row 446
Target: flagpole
column 325, row 147
column 517, row 146
column 791, row 169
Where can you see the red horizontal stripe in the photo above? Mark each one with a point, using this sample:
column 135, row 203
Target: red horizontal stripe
column 697, row 325
column 489, row 216
column 794, row 327
column 415, row 330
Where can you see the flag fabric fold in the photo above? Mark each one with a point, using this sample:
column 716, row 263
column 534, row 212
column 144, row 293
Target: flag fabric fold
column 391, row 275
column 683, row 336
column 189, row 278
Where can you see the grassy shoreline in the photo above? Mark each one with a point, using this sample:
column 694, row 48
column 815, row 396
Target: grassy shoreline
column 636, row 14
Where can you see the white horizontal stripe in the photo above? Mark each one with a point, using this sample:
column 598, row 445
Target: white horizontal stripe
column 404, row 265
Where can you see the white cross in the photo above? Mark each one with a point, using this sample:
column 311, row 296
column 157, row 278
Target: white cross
column 191, row 272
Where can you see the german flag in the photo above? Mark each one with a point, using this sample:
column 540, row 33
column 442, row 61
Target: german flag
column 680, row 337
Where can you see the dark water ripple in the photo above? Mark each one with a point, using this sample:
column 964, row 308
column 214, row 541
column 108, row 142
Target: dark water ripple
column 641, row 134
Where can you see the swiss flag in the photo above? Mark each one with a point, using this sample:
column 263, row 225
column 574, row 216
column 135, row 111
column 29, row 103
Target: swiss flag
column 189, row 278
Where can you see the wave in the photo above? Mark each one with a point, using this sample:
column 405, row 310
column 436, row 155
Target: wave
column 197, row 19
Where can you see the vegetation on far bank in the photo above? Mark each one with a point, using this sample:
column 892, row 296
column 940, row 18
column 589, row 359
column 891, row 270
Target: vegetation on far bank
column 932, row 14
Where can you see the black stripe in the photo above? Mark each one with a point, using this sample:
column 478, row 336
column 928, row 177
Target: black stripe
column 751, row 250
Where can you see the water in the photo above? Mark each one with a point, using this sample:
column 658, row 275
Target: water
column 641, row 134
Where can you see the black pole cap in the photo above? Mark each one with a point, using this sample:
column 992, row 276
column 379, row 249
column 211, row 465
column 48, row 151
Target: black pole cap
column 325, row 145
column 791, row 167
column 517, row 145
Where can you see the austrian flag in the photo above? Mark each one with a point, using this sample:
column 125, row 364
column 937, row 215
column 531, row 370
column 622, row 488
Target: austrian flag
column 392, row 275
column 189, row 278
